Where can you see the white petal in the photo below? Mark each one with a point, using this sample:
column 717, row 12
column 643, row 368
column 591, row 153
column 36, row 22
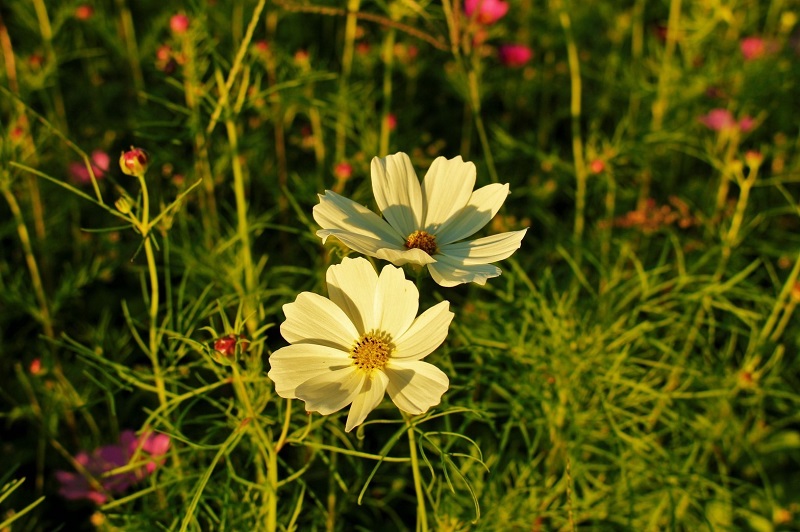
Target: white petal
column 369, row 397
column 396, row 301
column 336, row 212
column 398, row 257
column 415, row 386
column 293, row 365
column 450, row 272
column 446, row 189
column 372, row 247
column 426, row 333
column 484, row 250
column 330, row 392
column 480, row 209
column 397, row 192
column 351, row 285
column 317, row 320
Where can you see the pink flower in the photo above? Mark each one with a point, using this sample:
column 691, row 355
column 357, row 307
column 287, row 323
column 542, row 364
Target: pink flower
column 391, row 121
column 755, row 47
column 343, row 171
column 84, row 12
column 148, row 447
column 597, row 166
column 746, row 123
column 722, row 120
column 179, row 23
column 79, row 172
column 514, row 55
column 488, row 11
column 718, row 119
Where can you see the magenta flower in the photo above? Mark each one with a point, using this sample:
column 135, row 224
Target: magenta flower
column 79, row 172
column 514, row 55
column 179, row 23
column 718, row 119
column 485, row 11
column 723, row 120
column 755, row 47
column 147, row 449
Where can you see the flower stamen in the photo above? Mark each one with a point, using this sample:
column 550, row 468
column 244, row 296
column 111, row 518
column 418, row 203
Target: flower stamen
column 372, row 350
column 422, row 240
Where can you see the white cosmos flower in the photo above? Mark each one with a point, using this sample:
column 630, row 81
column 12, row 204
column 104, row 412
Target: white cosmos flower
column 362, row 342
column 425, row 224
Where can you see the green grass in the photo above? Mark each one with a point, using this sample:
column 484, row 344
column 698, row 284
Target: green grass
column 634, row 368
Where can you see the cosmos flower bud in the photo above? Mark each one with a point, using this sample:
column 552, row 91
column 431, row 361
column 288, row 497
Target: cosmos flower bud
column 226, row 345
column 134, row 161
column 123, row 205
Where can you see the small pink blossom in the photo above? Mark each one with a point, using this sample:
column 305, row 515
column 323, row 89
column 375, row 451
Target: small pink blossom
column 723, row 120
column 746, row 123
column 514, row 55
column 391, row 121
column 343, row 171
column 79, row 172
column 488, row 11
column 84, row 12
column 718, row 119
column 149, row 449
column 179, row 23
column 597, row 166
column 755, row 47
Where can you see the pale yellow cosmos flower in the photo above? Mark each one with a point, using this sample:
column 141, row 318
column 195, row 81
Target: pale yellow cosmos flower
column 361, row 342
column 424, row 225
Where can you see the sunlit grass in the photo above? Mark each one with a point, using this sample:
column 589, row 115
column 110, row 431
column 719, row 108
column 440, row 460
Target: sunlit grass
column 634, row 367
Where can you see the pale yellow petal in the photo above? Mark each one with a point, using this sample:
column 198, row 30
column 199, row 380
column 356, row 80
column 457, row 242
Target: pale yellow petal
column 446, row 189
column 426, row 333
column 369, row 397
column 351, row 285
column 293, row 365
column 331, row 391
column 396, row 301
column 318, row 320
column 416, row 386
column 397, row 192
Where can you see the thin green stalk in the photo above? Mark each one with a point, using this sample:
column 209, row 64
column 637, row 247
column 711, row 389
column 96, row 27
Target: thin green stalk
column 47, row 36
column 388, row 64
column 242, row 227
column 144, row 227
column 30, row 259
column 780, row 304
column 129, row 34
column 271, row 458
column 347, row 65
column 475, row 100
column 422, row 516
column 577, row 142
column 660, row 105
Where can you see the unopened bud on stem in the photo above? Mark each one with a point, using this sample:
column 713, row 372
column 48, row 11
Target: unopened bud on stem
column 134, row 161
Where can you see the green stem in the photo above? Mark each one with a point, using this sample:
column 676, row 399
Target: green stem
column 422, row 516
column 388, row 60
column 30, row 259
column 347, row 64
column 129, row 34
column 144, row 227
column 577, row 142
column 242, row 227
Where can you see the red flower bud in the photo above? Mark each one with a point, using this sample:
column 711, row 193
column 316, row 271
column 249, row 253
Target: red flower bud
column 134, row 161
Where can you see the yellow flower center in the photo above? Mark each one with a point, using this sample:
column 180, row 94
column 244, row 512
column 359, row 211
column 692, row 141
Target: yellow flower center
column 372, row 350
column 422, row 240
